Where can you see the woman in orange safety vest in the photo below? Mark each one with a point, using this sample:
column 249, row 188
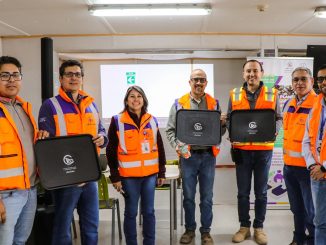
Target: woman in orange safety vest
column 136, row 159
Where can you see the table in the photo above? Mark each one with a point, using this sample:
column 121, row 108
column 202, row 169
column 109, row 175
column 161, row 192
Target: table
column 172, row 174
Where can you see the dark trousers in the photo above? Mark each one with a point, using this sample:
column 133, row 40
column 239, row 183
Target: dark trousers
column 297, row 180
column 256, row 163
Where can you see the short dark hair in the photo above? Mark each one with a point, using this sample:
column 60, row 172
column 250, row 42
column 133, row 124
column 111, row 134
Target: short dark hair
column 10, row 60
column 68, row 63
column 139, row 90
column 249, row 61
column 322, row 67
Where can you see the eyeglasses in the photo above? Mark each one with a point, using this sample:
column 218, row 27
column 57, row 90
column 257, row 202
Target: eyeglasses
column 71, row 74
column 199, row 79
column 302, row 79
column 321, row 79
column 6, row 76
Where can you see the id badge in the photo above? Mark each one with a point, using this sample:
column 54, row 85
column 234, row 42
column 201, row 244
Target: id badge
column 145, row 147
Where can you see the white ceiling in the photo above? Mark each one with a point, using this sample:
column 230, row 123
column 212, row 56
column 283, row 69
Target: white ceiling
column 50, row 17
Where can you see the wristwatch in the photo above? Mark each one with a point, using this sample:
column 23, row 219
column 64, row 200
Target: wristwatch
column 312, row 165
column 322, row 168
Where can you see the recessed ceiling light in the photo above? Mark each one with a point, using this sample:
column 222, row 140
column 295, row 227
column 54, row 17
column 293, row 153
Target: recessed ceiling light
column 320, row 12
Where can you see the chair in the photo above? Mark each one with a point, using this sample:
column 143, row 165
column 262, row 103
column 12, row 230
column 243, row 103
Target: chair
column 105, row 202
column 103, row 162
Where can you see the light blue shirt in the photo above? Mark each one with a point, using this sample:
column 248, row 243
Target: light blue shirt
column 307, row 154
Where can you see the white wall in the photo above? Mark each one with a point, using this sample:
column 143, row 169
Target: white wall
column 0, row 46
column 28, row 52
column 114, row 43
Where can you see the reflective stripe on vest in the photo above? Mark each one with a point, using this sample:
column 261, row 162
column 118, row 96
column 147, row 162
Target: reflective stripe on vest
column 150, row 162
column 237, row 94
column 61, row 118
column 12, row 172
column 122, row 140
column 133, row 164
column 291, row 153
column 154, row 129
column 254, row 143
column 269, row 94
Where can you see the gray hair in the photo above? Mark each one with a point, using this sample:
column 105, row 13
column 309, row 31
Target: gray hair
column 301, row 68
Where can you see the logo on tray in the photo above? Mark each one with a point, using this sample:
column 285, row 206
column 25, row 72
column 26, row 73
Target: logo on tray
column 252, row 125
column 198, row 126
column 68, row 160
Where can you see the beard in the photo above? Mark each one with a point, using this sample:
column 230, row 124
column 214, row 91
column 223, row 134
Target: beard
column 322, row 89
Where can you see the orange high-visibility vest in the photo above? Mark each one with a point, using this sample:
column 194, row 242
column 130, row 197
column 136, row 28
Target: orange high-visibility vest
column 265, row 100
column 212, row 104
column 294, row 121
column 137, row 149
column 13, row 162
column 313, row 130
column 70, row 119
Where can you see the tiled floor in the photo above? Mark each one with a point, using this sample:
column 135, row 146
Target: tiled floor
column 278, row 224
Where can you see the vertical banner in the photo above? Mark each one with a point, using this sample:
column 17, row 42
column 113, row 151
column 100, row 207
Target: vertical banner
column 278, row 74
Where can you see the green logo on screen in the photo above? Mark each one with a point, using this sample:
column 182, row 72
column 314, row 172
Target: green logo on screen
column 131, row 78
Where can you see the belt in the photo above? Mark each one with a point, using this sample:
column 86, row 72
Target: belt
column 201, row 151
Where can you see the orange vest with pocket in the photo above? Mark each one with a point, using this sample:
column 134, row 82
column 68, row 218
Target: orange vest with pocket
column 72, row 120
column 13, row 163
column 137, row 149
column 314, row 125
column 294, row 121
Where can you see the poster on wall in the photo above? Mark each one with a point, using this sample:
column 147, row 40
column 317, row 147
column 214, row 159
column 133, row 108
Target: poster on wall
column 278, row 74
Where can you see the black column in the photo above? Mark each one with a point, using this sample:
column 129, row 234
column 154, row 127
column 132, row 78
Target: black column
column 47, row 67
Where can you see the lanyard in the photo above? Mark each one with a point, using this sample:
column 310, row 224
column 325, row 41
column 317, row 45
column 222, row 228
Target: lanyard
column 322, row 124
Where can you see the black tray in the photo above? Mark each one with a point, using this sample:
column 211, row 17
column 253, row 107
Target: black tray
column 67, row 160
column 198, row 127
column 252, row 125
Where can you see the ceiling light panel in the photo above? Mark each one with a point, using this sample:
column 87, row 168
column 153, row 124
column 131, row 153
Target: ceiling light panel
column 145, row 1
column 320, row 12
column 149, row 9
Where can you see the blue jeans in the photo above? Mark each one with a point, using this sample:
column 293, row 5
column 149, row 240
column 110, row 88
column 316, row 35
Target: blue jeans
column 318, row 189
column 199, row 167
column 20, row 211
column 248, row 163
column 85, row 199
column 297, row 181
column 143, row 187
